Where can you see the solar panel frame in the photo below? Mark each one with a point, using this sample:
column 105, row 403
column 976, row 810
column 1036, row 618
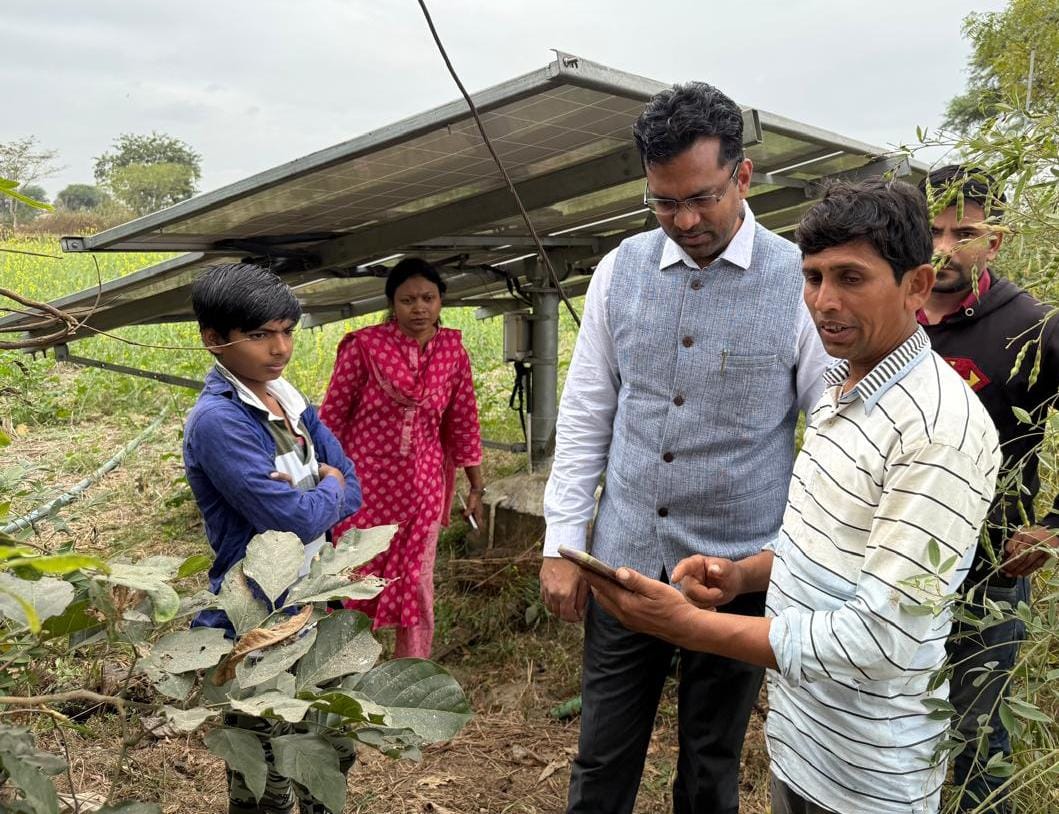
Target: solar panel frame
column 427, row 184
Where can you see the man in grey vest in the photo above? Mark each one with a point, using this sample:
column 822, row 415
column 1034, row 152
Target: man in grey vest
column 694, row 357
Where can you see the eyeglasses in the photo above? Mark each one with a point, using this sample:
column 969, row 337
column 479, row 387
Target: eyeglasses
column 699, row 204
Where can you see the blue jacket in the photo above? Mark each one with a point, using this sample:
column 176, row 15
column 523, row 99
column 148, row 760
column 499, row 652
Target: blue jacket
column 228, row 455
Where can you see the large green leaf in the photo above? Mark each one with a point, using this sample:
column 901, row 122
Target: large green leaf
column 217, row 694
column 281, row 706
column 355, row 548
column 29, row 602
column 351, row 707
column 419, row 695
column 37, row 789
column 21, row 608
column 162, row 564
column 313, row 762
column 149, row 577
column 273, row 560
column 282, row 683
column 188, row 720
column 244, row 610
column 20, row 743
column 324, row 587
column 186, row 650
column 72, row 620
column 396, row 743
column 274, row 661
column 243, row 752
column 177, row 687
column 344, row 645
column 196, row 603
column 60, row 564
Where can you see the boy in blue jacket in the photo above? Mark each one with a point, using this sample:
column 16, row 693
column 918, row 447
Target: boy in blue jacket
column 256, row 455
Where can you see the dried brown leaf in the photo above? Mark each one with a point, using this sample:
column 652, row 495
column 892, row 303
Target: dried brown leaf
column 257, row 639
column 551, row 769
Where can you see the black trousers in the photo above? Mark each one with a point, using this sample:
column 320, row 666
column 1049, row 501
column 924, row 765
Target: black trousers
column 621, row 683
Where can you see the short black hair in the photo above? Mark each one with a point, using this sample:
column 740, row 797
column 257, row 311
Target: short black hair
column 890, row 215
column 241, row 296
column 407, row 269
column 949, row 183
column 677, row 117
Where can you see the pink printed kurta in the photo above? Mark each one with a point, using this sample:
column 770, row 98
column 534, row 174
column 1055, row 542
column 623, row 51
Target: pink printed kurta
column 407, row 417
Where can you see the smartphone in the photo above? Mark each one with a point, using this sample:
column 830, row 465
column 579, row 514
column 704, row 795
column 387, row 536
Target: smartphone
column 585, row 560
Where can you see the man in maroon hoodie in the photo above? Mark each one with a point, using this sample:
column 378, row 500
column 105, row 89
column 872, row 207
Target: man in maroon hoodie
column 980, row 323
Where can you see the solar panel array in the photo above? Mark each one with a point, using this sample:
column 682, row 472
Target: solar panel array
column 332, row 222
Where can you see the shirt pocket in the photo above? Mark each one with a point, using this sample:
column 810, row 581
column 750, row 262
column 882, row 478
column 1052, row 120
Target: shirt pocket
column 748, row 382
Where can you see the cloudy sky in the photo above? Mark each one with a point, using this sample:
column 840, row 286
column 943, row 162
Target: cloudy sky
column 253, row 83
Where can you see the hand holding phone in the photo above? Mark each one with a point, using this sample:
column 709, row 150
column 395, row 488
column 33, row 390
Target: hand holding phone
column 585, row 560
column 470, row 515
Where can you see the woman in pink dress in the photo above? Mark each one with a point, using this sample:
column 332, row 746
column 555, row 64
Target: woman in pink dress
column 401, row 402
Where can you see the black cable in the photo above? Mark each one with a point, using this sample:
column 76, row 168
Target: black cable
column 515, row 290
column 500, row 166
column 520, row 393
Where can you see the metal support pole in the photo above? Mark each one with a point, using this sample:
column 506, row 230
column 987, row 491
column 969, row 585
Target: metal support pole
column 544, row 366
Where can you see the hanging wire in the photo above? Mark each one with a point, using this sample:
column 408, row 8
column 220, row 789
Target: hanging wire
column 500, row 165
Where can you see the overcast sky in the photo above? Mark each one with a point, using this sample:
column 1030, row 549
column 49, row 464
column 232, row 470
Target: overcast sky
column 253, row 83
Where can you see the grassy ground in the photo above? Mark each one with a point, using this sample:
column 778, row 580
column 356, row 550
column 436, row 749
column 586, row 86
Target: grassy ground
column 33, row 391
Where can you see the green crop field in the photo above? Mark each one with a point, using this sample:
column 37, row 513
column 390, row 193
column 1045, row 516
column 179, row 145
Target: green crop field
column 176, row 349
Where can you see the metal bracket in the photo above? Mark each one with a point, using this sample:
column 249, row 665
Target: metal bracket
column 62, row 354
column 751, row 127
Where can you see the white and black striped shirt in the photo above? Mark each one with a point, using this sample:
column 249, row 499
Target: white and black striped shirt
column 892, row 483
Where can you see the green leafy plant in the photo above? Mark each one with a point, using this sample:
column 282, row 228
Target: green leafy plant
column 308, row 672
column 1020, row 149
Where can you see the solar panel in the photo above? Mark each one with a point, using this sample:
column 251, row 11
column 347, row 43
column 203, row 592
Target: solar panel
column 331, row 222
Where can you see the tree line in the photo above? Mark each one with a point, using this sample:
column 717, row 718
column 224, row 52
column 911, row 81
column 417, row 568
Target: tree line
column 138, row 175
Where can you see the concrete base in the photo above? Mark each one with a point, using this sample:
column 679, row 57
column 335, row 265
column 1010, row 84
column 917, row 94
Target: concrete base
column 514, row 515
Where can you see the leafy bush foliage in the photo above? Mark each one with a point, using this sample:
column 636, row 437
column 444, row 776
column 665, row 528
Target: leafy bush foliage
column 1020, row 149
column 309, row 671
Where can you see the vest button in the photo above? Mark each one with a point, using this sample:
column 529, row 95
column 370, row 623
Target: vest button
column 696, row 284
column 687, row 341
column 668, row 457
column 678, row 400
column 663, row 511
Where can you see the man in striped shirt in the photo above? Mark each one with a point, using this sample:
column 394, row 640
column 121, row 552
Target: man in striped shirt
column 896, row 472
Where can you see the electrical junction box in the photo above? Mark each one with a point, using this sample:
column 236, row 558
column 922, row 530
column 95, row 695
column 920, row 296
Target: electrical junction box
column 517, row 344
